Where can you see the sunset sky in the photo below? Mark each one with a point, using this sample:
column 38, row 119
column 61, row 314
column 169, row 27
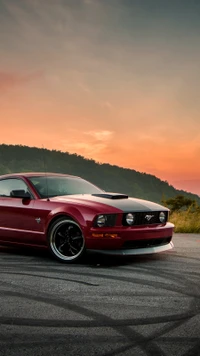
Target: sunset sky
column 117, row 81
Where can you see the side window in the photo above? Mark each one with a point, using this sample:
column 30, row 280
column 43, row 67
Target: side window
column 7, row 185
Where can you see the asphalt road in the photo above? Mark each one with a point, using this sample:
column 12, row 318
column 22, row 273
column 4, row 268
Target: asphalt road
column 103, row 307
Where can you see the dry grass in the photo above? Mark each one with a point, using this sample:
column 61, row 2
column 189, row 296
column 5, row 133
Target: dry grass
column 186, row 221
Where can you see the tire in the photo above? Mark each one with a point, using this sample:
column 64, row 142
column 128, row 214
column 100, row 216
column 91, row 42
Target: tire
column 66, row 241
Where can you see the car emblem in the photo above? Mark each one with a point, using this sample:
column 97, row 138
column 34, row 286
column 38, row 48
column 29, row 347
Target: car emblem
column 149, row 217
column 38, row 220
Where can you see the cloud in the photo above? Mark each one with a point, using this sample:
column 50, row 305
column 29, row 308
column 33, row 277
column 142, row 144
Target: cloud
column 92, row 145
column 107, row 104
column 85, row 149
column 100, row 135
column 84, row 87
column 9, row 80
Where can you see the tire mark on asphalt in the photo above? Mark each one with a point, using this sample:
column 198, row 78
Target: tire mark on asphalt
column 194, row 351
column 173, row 276
column 125, row 330
column 151, row 337
column 112, row 339
column 53, row 278
column 43, row 339
column 135, row 280
column 61, row 339
column 174, row 288
column 187, row 257
column 101, row 321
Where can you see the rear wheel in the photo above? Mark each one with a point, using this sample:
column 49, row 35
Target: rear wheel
column 65, row 240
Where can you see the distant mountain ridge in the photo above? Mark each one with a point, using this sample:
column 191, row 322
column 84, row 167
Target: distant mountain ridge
column 18, row 158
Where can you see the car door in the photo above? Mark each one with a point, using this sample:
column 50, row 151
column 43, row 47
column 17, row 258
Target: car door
column 18, row 217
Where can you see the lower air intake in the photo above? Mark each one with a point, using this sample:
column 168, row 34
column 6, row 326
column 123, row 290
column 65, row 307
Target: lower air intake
column 146, row 243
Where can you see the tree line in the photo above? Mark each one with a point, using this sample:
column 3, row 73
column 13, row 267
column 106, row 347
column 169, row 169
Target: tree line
column 18, row 158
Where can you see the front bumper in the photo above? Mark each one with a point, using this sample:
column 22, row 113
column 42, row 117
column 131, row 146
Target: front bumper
column 151, row 238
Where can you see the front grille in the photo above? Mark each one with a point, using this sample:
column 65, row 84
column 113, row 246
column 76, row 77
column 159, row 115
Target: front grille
column 110, row 219
column 145, row 218
column 146, row 243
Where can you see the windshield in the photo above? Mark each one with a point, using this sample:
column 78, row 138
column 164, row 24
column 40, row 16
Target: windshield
column 58, row 186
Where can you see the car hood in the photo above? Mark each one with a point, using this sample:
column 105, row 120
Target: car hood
column 118, row 201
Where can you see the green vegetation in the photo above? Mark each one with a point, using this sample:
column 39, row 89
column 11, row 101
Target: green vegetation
column 17, row 158
column 186, row 221
column 185, row 214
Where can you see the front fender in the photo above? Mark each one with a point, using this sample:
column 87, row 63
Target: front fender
column 71, row 212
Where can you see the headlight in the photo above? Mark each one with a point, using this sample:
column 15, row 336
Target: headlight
column 130, row 218
column 162, row 217
column 101, row 220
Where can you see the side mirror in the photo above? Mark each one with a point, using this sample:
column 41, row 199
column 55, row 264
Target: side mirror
column 20, row 193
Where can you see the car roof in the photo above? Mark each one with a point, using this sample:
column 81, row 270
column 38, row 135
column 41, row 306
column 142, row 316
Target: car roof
column 36, row 174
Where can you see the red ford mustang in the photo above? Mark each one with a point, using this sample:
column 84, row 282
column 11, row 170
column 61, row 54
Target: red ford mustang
column 69, row 215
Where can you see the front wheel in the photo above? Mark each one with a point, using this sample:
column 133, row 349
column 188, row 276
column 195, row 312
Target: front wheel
column 66, row 241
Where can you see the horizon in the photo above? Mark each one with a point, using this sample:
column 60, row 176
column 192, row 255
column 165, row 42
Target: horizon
column 115, row 81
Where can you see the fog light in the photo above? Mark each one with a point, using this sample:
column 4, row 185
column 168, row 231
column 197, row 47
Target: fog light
column 113, row 236
column 97, row 235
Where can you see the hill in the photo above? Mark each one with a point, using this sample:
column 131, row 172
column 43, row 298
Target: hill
column 17, row 158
